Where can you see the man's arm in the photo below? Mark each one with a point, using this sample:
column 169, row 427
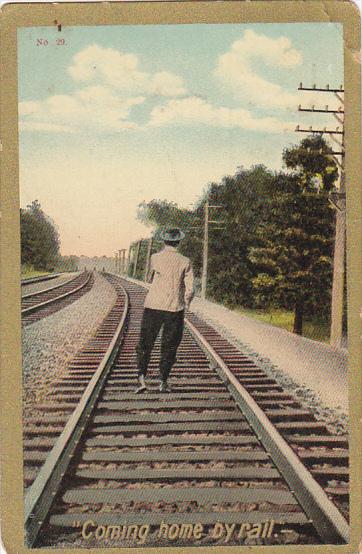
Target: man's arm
column 189, row 285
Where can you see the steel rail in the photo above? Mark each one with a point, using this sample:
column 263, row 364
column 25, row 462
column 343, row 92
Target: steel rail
column 324, row 515
column 330, row 524
column 41, row 493
column 37, row 307
column 50, row 288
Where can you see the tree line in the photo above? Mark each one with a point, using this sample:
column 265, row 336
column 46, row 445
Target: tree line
column 273, row 247
column 40, row 245
column 40, row 241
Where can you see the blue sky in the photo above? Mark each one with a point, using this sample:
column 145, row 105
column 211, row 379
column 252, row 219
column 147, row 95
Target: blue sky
column 122, row 114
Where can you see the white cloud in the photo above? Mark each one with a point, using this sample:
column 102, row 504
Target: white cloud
column 95, row 108
column 121, row 71
column 195, row 110
column 114, row 83
column 235, row 69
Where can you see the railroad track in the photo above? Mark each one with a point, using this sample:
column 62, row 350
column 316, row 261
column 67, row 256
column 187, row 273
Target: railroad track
column 227, row 446
column 47, row 277
column 40, row 304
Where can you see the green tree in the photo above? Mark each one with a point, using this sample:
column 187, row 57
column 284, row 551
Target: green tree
column 39, row 238
column 273, row 244
column 295, row 235
column 312, row 162
column 242, row 197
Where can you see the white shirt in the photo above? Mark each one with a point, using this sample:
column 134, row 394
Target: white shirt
column 172, row 281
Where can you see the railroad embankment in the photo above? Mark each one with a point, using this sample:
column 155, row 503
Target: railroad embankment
column 315, row 371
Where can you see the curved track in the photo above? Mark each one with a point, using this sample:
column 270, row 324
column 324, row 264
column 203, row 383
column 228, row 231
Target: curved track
column 47, row 277
column 227, row 445
column 40, row 304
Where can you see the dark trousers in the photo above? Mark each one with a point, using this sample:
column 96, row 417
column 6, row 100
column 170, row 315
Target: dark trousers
column 173, row 325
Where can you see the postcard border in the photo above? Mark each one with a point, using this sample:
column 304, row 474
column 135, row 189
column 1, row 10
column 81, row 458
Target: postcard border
column 14, row 16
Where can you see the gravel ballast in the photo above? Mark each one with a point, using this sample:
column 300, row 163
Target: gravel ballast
column 49, row 344
column 42, row 285
column 313, row 372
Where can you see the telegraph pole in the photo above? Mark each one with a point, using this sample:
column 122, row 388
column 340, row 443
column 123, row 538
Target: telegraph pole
column 120, row 261
column 121, row 257
column 148, row 258
column 128, row 259
column 136, row 258
column 338, row 201
column 123, row 268
column 205, row 255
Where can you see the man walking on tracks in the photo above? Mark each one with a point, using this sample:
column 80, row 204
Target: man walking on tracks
column 170, row 295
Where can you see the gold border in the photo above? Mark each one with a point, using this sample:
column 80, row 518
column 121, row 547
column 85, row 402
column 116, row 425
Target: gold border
column 117, row 13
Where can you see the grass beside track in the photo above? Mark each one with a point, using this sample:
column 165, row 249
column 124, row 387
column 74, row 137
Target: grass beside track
column 312, row 329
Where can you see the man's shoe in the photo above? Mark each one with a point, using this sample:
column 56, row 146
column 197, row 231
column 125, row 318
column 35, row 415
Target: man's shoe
column 165, row 387
column 142, row 385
